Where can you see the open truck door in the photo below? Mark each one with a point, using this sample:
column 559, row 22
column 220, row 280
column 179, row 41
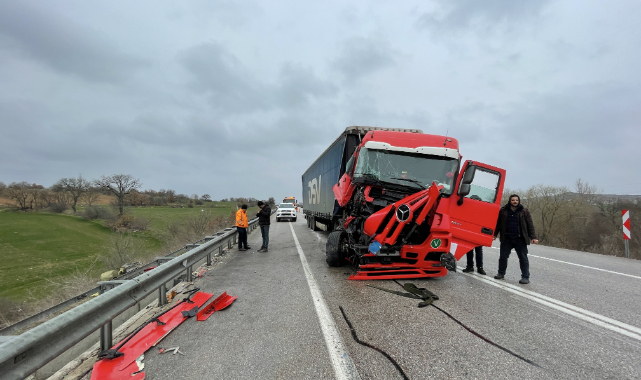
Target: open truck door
column 474, row 207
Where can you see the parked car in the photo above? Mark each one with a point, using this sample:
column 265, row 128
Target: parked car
column 286, row 211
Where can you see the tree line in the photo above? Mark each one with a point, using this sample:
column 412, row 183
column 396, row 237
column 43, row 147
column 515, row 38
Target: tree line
column 581, row 218
column 69, row 192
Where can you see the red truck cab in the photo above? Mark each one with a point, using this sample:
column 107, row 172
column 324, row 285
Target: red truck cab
column 409, row 209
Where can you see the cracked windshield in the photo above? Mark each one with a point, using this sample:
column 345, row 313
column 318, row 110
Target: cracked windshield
column 407, row 169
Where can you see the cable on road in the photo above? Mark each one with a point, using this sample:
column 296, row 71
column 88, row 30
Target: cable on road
column 481, row 336
column 351, row 328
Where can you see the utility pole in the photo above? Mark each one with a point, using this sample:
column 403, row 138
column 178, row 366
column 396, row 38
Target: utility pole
column 626, row 231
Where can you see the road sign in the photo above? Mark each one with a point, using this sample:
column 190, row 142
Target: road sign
column 626, row 224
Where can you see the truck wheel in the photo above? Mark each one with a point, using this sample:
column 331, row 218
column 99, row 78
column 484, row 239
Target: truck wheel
column 293, row 220
column 277, row 220
column 336, row 249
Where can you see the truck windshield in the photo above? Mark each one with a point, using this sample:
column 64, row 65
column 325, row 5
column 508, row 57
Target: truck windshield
column 406, row 169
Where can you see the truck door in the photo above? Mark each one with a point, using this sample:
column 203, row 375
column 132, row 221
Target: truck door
column 473, row 216
column 344, row 188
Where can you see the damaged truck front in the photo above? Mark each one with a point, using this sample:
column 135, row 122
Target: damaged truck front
column 398, row 202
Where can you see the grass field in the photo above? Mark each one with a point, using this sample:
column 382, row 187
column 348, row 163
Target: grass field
column 160, row 217
column 37, row 247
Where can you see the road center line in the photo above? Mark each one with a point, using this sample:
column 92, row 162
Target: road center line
column 580, row 265
column 585, row 315
column 344, row 368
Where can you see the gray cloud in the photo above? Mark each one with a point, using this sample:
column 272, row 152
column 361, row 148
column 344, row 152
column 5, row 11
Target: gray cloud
column 480, row 16
column 360, row 56
column 241, row 99
column 62, row 44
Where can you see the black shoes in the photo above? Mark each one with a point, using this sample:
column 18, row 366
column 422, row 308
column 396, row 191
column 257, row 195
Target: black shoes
column 248, row 247
column 524, row 280
column 263, row 250
column 499, row 276
column 241, row 249
column 479, row 270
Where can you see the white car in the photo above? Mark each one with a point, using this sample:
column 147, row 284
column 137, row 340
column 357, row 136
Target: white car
column 286, row 211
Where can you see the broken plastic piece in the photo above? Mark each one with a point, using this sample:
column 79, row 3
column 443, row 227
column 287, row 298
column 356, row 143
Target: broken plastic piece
column 218, row 304
column 190, row 313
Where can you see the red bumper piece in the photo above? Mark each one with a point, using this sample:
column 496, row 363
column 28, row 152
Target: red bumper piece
column 218, row 304
column 122, row 367
column 394, row 274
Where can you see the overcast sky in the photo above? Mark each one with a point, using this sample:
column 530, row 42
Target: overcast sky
column 238, row 98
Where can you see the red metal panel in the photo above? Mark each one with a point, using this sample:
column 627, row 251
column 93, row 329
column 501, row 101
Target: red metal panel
column 218, row 304
column 122, row 367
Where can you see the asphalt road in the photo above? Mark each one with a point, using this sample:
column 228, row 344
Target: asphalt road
column 579, row 318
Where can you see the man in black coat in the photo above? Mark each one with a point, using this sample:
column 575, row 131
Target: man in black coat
column 264, row 214
column 516, row 231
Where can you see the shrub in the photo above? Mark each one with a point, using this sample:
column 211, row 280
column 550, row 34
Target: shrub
column 94, row 212
column 58, row 208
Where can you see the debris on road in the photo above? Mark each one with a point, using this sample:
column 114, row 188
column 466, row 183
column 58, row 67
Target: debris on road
column 218, row 304
column 119, row 361
column 414, row 292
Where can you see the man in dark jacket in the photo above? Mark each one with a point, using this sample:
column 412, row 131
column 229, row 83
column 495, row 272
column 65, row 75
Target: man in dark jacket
column 264, row 215
column 517, row 231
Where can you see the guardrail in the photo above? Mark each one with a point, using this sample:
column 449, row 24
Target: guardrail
column 26, row 353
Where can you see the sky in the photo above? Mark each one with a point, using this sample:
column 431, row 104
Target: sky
column 238, row 98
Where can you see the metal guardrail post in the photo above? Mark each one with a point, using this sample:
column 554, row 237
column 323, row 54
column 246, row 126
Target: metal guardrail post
column 189, row 274
column 106, row 337
column 106, row 331
column 209, row 259
column 162, row 295
column 220, row 250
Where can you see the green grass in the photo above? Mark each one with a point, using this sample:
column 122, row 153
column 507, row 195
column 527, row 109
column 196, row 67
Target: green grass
column 36, row 247
column 162, row 216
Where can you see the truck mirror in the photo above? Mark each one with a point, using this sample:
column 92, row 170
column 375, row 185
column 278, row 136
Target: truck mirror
column 468, row 177
column 464, row 189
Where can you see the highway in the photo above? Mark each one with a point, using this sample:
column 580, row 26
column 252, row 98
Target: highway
column 579, row 318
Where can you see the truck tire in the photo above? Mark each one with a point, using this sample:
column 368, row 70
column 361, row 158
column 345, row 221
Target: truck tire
column 334, row 249
column 293, row 220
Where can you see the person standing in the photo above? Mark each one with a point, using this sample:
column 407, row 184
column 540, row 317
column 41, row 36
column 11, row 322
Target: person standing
column 264, row 214
column 241, row 227
column 479, row 261
column 516, row 231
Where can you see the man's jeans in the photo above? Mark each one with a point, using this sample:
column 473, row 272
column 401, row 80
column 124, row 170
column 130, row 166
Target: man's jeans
column 264, row 230
column 242, row 237
column 521, row 251
column 479, row 257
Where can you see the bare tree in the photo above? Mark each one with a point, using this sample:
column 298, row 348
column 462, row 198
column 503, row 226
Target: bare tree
column 171, row 196
column 2, row 187
column 206, row 197
column 21, row 193
column 75, row 187
column 91, row 196
column 119, row 185
column 547, row 204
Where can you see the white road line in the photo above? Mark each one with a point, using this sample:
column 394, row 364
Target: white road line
column 585, row 315
column 582, row 266
column 344, row 368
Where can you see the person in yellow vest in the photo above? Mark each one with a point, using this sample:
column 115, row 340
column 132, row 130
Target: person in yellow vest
column 241, row 227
